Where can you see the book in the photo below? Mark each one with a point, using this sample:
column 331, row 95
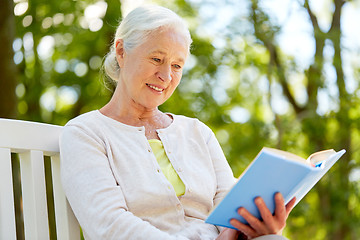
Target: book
column 270, row 172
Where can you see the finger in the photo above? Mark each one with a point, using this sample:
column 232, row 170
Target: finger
column 280, row 210
column 228, row 233
column 243, row 228
column 265, row 213
column 290, row 206
column 253, row 221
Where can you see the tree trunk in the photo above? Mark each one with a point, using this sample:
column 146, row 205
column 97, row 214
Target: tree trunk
column 7, row 65
column 8, row 100
column 343, row 230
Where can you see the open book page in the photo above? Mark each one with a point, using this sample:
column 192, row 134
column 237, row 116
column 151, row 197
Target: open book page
column 318, row 157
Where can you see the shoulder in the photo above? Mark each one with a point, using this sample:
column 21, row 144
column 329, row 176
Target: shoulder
column 84, row 119
column 87, row 124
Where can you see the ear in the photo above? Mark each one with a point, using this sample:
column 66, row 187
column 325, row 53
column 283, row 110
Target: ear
column 120, row 52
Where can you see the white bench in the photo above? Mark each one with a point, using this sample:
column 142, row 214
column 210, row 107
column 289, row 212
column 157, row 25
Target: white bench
column 32, row 141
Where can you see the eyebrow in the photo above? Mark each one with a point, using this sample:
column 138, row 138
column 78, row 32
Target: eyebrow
column 163, row 53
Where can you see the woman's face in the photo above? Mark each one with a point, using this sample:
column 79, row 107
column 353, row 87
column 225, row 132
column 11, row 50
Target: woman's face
column 151, row 72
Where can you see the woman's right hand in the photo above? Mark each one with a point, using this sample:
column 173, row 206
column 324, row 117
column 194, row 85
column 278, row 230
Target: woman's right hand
column 271, row 224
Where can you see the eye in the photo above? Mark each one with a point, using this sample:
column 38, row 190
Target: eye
column 177, row 66
column 157, row 60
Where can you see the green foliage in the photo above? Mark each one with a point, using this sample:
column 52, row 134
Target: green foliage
column 62, row 58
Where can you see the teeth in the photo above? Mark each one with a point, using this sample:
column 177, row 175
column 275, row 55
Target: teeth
column 155, row 88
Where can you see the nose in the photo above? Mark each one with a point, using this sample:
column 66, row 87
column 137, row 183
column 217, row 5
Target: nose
column 164, row 73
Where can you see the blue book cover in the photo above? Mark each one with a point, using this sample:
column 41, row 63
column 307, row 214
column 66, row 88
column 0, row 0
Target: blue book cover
column 272, row 171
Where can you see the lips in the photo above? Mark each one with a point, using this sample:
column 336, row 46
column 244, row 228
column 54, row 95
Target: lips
column 155, row 88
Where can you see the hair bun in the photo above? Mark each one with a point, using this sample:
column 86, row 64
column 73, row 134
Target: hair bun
column 111, row 66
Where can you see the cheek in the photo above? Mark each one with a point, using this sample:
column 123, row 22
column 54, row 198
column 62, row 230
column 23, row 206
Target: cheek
column 134, row 65
column 145, row 70
column 177, row 77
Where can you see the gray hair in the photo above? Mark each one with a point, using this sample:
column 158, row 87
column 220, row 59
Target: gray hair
column 137, row 26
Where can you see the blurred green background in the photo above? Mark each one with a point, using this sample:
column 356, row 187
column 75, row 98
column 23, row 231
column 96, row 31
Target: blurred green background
column 282, row 73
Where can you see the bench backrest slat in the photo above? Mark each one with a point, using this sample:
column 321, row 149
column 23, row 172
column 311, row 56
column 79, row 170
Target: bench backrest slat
column 7, row 209
column 66, row 224
column 34, row 195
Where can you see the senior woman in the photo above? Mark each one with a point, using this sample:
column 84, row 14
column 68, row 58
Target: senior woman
column 131, row 171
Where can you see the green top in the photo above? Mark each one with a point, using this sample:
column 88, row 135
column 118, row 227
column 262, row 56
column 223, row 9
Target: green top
column 166, row 167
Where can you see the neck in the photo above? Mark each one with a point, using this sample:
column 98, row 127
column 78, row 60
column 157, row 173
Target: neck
column 127, row 111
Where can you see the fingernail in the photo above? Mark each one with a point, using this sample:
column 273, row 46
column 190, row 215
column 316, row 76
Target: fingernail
column 241, row 210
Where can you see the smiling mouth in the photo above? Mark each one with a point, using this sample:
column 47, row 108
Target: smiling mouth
column 155, row 88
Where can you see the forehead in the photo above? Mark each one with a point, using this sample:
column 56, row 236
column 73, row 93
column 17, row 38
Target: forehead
column 166, row 42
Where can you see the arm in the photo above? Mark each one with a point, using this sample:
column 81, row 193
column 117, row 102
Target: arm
column 224, row 176
column 94, row 195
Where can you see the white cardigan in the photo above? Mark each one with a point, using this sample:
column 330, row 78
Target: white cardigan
column 117, row 190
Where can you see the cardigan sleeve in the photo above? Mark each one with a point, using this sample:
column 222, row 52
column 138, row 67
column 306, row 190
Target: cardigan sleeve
column 224, row 175
column 95, row 197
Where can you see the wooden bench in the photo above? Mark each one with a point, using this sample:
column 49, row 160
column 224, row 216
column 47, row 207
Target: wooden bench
column 32, row 141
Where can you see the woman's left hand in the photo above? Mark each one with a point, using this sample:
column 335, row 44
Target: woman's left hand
column 231, row 234
column 270, row 224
